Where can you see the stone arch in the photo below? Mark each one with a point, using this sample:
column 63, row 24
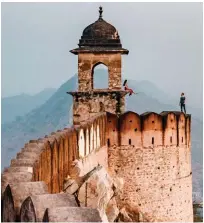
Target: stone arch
column 99, row 81
column 87, row 63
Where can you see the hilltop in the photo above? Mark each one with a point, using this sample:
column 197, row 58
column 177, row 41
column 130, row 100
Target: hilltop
column 19, row 105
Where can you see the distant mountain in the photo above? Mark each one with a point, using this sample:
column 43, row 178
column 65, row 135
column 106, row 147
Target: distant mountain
column 56, row 113
column 12, row 107
column 153, row 92
column 50, row 116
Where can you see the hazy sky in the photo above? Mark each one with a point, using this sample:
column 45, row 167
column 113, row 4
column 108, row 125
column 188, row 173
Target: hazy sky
column 164, row 40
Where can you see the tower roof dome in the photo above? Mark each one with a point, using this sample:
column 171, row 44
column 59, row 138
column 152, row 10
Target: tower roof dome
column 99, row 30
column 100, row 36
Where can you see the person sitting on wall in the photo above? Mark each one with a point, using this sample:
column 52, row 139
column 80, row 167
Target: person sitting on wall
column 128, row 89
column 182, row 102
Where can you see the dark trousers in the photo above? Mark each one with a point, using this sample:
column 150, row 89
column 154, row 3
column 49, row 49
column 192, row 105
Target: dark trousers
column 183, row 107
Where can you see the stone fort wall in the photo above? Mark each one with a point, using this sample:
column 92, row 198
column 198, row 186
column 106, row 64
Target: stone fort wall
column 151, row 152
column 49, row 159
column 39, row 170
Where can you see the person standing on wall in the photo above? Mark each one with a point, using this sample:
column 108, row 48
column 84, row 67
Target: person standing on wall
column 182, row 103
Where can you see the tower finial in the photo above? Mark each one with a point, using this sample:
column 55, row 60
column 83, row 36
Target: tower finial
column 100, row 12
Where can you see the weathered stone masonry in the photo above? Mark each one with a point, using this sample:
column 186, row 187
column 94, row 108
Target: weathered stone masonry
column 89, row 101
column 156, row 173
column 89, row 104
column 88, row 61
column 152, row 154
column 111, row 165
column 42, row 166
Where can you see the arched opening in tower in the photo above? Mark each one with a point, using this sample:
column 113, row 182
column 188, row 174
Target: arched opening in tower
column 100, row 76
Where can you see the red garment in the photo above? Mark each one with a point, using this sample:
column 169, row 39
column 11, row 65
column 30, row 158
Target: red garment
column 128, row 89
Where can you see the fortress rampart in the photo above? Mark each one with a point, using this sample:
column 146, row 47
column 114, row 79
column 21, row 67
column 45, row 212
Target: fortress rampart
column 49, row 159
column 42, row 166
column 110, row 166
column 149, row 129
column 150, row 152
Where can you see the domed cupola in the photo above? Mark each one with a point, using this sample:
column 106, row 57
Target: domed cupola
column 100, row 36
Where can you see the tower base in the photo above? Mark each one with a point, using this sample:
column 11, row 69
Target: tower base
column 88, row 104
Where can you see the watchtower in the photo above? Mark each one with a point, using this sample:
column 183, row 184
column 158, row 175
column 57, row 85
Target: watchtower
column 99, row 44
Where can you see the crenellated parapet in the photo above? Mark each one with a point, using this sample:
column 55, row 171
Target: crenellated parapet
column 48, row 161
column 149, row 129
column 152, row 148
column 91, row 134
column 151, row 152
